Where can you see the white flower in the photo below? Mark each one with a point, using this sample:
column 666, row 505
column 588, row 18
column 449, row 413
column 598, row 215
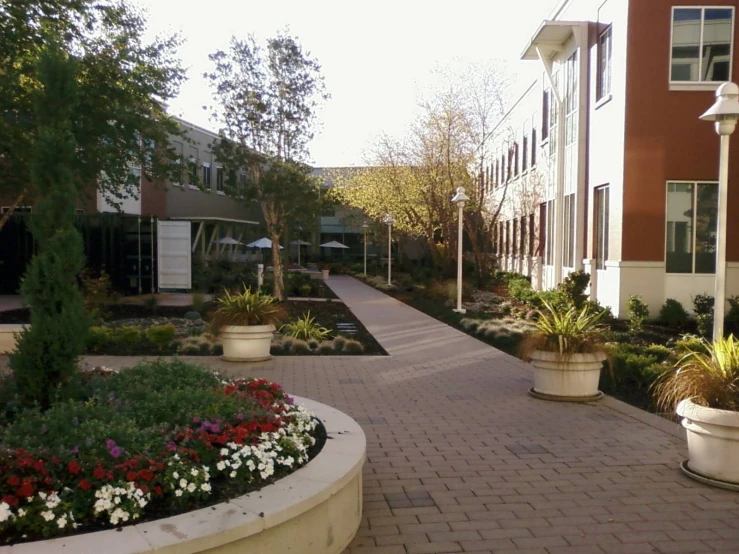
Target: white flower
column 62, row 522
column 205, row 487
column 6, row 513
column 21, row 511
column 220, row 466
column 47, row 515
column 233, row 474
column 224, row 451
column 194, row 472
column 183, row 484
column 176, row 475
column 178, row 492
column 191, row 487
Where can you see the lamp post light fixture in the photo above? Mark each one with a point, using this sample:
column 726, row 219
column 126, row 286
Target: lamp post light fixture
column 364, row 226
column 389, row 221
column 460, row 199
column 724, row 113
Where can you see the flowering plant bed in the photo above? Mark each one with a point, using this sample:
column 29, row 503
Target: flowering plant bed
column 152, row 441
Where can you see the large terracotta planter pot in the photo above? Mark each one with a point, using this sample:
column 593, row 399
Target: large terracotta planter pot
column 574, row 377
column 248, row 343
column 713, row 441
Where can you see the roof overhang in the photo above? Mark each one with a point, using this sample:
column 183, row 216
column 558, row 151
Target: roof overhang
column 217, row 220
column 550, row 38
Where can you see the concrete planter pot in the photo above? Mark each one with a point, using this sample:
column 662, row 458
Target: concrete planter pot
column 572, row 378
column 316, row 510
column 246, row 343
column 713, row 442
column 324, row 273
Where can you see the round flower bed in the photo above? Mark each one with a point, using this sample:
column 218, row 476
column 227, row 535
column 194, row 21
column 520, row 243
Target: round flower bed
column 152, row 441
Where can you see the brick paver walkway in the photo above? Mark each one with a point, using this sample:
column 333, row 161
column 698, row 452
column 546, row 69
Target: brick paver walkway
column 461, row 459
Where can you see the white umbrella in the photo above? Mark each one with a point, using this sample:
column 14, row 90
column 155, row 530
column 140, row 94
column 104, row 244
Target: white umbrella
column 228, row 240
column 334, row 244
column 264, row 242
column 300, row 242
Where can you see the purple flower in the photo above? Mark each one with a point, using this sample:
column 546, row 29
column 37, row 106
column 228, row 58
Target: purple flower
column 289, row 400
column 76, row 450
column 110, row 443
column 116, row 451
column 240, row 417
column 196, row 420
column 171, row 446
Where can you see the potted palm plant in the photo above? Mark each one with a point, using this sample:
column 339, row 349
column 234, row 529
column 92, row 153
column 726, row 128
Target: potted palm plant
column 566, row 350
column 703, row 387
column 245, row 323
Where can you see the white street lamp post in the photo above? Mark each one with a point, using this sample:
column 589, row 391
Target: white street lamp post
column 364, row 226
column 459, row 199
column 389, row 220
column 725, row 113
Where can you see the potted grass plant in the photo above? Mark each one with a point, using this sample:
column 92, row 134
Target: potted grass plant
column 703, row 387
column 245, row 323
column 566, row 350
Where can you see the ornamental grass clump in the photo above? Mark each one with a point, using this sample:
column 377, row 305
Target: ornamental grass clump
column 244, row 309
column 708, row 375
column 574, row 331
column 305, row 328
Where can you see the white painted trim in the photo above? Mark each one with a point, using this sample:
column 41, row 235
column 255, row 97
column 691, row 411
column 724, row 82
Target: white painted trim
column 634, row 264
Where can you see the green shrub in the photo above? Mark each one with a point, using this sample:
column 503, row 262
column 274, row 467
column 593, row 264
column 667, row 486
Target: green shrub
column 161, row 336
column 638, row 312
column 703, row 304
column 554, row 297
column 305, row 290
column 193, row 315
column 704, row 323
column 634, row 370
column 673, row 314
column 732, row 316
column 245, row 308
column 688, row 343
column 573, row 288
column 353, row 347
column 98, row 339
column 125, row 339
column 339, row 344
column 326, row 348
column 313, row 343
column 520, row 289
column 98, row 293
column 300, row 347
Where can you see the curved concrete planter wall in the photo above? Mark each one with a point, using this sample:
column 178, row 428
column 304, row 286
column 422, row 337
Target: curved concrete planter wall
column 316, row 510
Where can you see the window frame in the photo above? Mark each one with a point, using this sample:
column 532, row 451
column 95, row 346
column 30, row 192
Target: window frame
column 700, row 84
column 602, row 222
column 16, row 210
column 693, row 229
column 601, row 92
column 219, row 180
column 206, row 169
column 192, row 173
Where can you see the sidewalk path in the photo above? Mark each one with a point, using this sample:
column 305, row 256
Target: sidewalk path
column 461, row 459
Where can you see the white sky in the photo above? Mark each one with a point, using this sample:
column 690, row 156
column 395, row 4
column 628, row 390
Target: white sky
column 377, row 57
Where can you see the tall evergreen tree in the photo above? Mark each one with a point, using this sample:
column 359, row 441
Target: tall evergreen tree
column 45, row 365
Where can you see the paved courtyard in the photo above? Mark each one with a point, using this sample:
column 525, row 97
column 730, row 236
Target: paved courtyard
column 461, row 459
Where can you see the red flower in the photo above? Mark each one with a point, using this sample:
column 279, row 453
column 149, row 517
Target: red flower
column 146, row 475
column 158, row 490
column 99, row 472
column 25, row 490
column 39, row 466
column 85, row 485
column 74, row 468
column 14, row 481
column 130, row 476
column 10, row 500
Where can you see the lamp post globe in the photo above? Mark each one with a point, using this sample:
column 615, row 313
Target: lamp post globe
column 460, row 199
column 725, row 114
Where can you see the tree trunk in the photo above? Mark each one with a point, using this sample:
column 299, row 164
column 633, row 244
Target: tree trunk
column 6, row 216
column 279, row 288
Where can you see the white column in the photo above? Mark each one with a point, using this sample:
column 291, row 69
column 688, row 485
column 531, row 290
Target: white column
column 723, row 192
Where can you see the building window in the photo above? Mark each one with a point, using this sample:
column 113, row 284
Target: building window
column 569, row 231
column 546, row 230
column 533, row 147
column 192, row 173
column 516, row 165
column 531, row 235
column 553, row 118
column 602, row 210
column 525, row 156
column 692, row 210
column 571, row 100
column 605, row 51
column 206, row 175
column 701, row 44
column 545, row 115
column 17, row 210
column 219, row 179
column 522, row 247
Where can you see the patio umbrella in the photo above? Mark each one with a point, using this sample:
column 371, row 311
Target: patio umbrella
column 300, row 242
column 334, row 244
column 228, row 240
column 264, row 242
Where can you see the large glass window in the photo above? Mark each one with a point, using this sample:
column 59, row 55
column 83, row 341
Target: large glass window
column 571, row 100
column 206, row 175
column 605, row 53
column 549, row 233
column 602, row 209
column 701, row 44
column 569, row 231
column 691, row 227
column 219, row 179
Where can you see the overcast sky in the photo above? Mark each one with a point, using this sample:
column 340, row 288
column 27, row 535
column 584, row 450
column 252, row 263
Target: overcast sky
column 377, row 57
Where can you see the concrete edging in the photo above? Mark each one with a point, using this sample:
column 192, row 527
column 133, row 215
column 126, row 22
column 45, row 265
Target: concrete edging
column 316, row 510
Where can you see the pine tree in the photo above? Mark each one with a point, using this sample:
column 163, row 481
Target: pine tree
column 46, row 363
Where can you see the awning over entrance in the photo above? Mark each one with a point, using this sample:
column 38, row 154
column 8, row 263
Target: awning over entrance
column 550, row 38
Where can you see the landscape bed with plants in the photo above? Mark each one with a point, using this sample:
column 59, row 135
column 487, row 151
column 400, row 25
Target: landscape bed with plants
column 641, row 350
column 304, row 327
column 148, row 442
